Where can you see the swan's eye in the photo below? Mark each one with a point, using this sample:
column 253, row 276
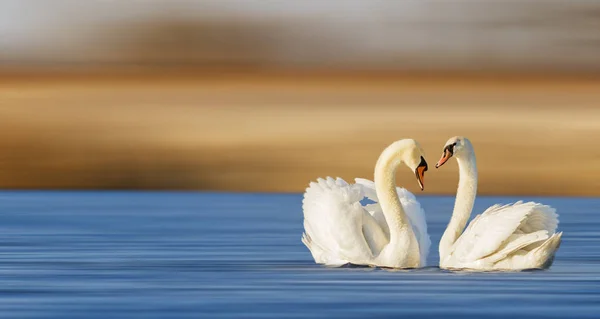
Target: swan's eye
column 450, row 148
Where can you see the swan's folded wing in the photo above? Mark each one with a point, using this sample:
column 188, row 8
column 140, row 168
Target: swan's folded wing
column 516, row 242
column 412, row 208
column 490, row 231
column 336, row 222
column 368, row 188
column 541, row 217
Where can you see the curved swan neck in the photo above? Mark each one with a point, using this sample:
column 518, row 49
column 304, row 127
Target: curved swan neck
column 385, row 186
column 465, row 198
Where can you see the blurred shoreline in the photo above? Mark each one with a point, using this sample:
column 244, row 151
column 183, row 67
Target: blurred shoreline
column 199, row 72
column 275, row 130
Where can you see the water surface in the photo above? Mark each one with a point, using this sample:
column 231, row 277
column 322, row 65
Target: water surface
column 207, row 255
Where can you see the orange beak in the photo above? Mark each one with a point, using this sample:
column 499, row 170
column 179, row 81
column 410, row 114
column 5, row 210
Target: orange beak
column 445, row 157
column 420, row 172
column 421, row 175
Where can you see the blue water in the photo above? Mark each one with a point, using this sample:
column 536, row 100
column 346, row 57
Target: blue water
column 205, row 255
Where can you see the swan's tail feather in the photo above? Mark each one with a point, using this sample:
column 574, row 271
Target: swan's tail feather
column 315, row 251
column 319, row 254
column 544, row 254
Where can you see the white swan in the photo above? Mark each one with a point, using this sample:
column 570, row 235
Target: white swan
column 511, row 237
column 339, row 230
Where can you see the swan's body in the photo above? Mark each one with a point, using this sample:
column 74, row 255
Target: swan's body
column 339, row 230
column 511, row 237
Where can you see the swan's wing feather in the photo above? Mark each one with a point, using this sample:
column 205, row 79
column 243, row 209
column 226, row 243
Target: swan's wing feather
column 412, row 208
column 504, row 229
column 541, row 217
column 377, row 214
column 516, row 242
column 368, row 188
column 336, row 224
column 488, row 231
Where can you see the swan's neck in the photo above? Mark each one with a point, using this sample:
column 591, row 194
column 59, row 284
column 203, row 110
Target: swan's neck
column 465, row 198
column 385, row 185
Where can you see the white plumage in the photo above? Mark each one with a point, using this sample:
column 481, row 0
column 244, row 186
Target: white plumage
column 505, row 237
column 338, row 229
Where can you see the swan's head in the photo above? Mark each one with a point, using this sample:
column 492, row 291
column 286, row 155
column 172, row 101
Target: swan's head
column 455, row 146
column 414, row 158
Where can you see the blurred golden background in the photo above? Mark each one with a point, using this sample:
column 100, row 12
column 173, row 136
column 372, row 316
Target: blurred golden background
column 267, row 95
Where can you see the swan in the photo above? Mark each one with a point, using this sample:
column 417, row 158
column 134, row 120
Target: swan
column 390, row 233
column 504, row 237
